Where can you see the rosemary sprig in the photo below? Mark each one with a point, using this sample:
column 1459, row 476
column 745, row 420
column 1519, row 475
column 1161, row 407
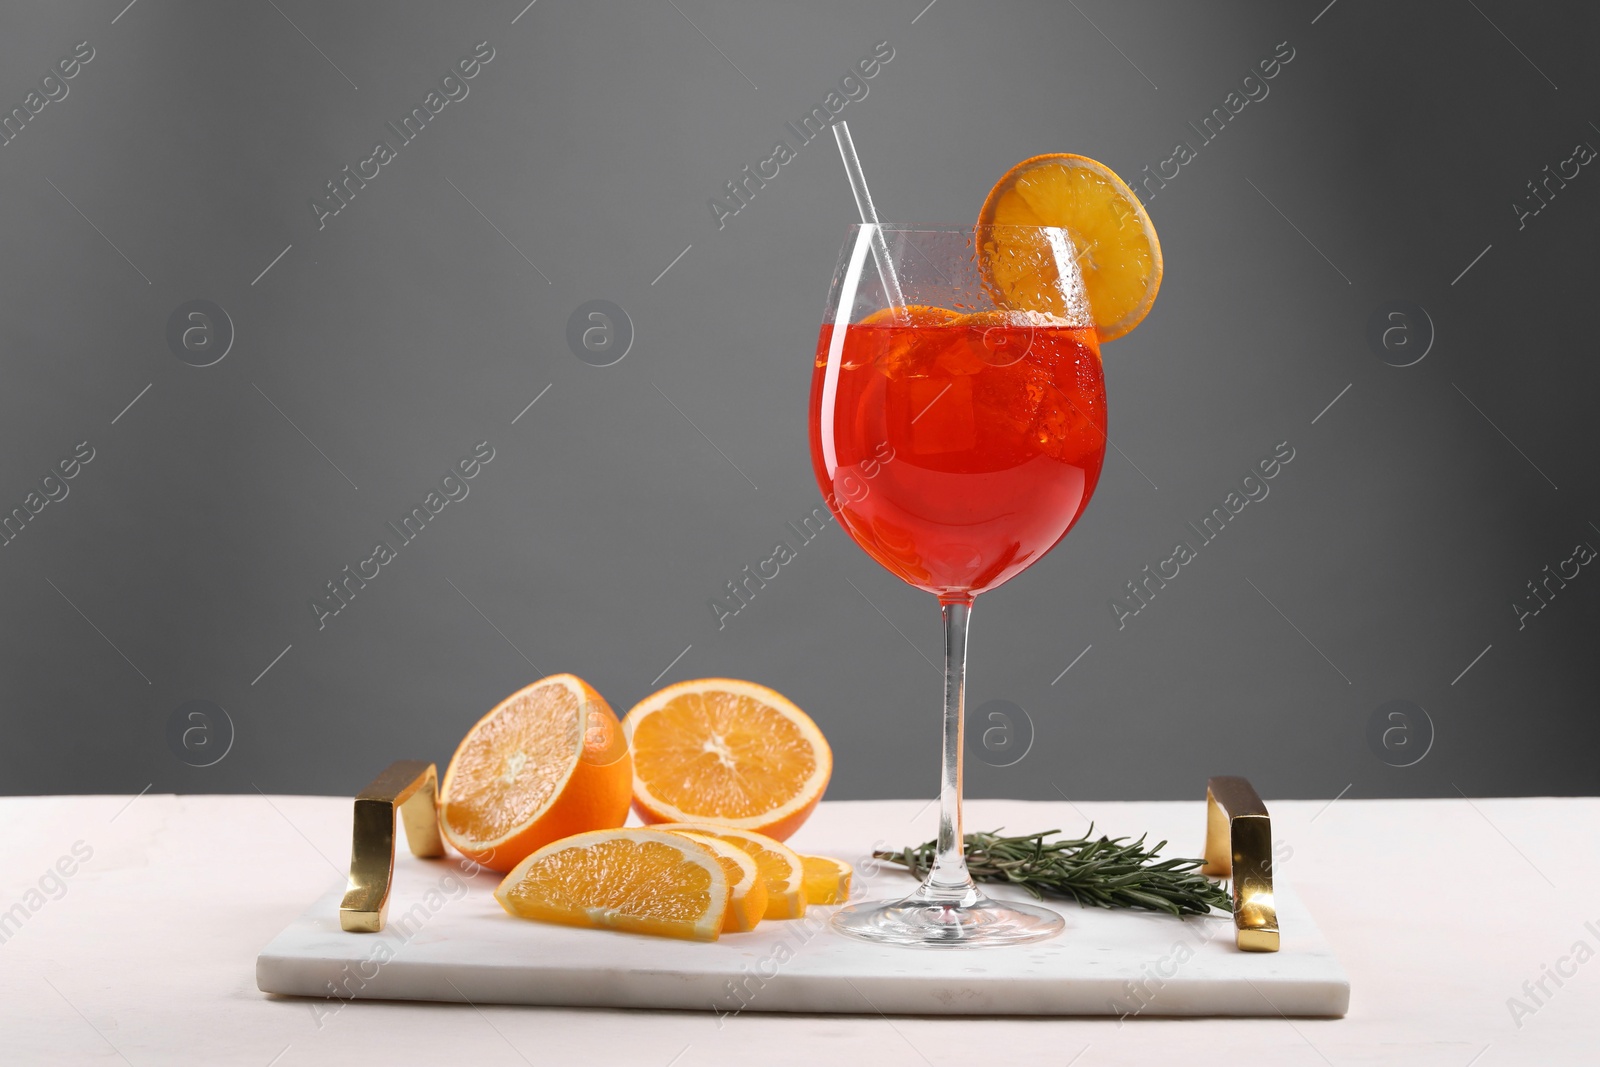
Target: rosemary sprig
column 1102, row 872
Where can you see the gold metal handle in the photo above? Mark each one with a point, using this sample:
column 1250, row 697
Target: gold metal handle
column 1239, row 846
column 413, row 787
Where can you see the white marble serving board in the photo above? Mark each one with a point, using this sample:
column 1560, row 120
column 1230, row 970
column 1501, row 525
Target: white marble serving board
column 447, row 939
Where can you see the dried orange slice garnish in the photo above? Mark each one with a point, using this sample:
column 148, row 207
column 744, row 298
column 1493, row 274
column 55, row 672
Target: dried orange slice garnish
column 780, row 865
column 549, row 761
column 1117, row 250
column 826, row 880
column 644, row 881
column 718, row 750
column 747, row 887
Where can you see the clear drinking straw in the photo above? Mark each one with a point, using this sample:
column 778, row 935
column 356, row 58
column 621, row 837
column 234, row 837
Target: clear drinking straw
column 869, row 217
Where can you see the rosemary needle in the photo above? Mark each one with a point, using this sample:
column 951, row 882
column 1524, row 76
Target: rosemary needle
column 1102, row 872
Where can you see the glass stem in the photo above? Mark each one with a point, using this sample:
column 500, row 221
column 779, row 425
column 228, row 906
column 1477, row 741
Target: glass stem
column 949, row 877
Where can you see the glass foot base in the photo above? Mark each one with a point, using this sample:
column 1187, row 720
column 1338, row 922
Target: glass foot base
column 968, row 919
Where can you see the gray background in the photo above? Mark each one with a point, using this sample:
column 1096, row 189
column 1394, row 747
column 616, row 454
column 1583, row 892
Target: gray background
column 1386, row 558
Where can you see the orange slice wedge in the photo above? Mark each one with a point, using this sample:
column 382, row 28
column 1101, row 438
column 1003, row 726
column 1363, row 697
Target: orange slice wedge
column 916, row 315
column 644, row 881
column 718, row 750
column 549, row 761
column 826, row 880
column 1118, row 253
column 747, row 896
column 779, row 865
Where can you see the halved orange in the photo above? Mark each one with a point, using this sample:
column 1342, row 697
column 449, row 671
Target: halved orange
column 827, row 880
column 779, row 865
column 719, row 750
column 644, row 881
column 747, row 887
column 1118, row 253
column 549, row 761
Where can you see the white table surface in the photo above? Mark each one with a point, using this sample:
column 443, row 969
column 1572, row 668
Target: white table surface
column 1439, row 910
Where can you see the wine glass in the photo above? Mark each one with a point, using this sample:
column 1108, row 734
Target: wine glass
column 958, row 425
